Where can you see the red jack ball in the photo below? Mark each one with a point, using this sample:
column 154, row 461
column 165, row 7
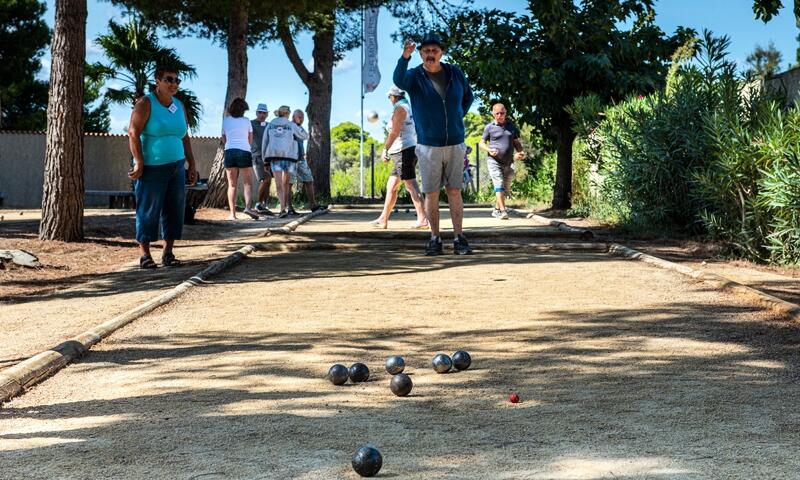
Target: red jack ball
column 513, row 398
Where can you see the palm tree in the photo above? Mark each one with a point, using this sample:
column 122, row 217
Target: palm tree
column 133, row 52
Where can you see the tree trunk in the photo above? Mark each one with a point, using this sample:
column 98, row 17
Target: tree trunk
column 320, row 95
column 63, row 190
column 562, row 190
column 237, row 87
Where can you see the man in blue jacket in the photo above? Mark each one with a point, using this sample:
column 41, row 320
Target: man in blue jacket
column 440, row 97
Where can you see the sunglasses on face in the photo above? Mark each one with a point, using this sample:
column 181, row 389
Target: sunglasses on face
column 171, row 79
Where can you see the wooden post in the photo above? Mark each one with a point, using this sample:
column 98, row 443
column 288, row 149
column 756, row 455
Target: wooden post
column 477, row 170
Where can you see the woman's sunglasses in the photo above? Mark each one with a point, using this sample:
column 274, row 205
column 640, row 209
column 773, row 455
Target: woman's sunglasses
column 170, row 79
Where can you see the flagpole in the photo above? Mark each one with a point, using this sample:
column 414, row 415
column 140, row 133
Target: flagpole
column 361, row 139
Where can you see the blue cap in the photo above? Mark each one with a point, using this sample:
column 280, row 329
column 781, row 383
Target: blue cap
column 262, row 107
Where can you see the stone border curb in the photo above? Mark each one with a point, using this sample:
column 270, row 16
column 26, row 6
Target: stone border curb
column 584, row 233
column 16, row 379
column 292, row 226
column 285, row 247
column 790, row 310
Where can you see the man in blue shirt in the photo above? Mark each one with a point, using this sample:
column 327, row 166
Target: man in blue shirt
column 440, row 97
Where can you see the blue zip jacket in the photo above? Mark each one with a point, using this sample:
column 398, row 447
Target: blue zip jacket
column 439, row 122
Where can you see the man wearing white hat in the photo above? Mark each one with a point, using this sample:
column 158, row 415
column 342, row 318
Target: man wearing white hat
column 263, row 171
column 400, row 148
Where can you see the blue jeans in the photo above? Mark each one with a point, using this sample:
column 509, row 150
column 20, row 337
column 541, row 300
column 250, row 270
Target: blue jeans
column 160, row 197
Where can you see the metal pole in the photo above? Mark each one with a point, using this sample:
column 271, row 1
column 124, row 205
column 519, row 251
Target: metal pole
column 361, row 142
column 372, row 169
column 477, row 169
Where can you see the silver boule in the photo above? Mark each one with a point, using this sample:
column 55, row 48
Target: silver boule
column 442, row 363
column 395, row 364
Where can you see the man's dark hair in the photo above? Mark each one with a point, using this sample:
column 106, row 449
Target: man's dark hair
column 238, row 107
column 164, row 69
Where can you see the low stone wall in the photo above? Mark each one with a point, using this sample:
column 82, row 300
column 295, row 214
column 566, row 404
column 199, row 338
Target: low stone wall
column 106, row 163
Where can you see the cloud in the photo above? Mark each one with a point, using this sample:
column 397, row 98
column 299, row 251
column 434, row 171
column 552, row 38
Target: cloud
column 344, row 65
column 119, row 124
column 46, row 64
column 92, row 49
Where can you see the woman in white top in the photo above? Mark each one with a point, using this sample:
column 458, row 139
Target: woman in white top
column 237, row 136
column 400, row 149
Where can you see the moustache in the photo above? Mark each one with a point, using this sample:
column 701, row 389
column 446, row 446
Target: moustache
column 430, row 59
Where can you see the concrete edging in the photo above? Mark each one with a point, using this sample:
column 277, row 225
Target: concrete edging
column 790, row 310
column 17, row 378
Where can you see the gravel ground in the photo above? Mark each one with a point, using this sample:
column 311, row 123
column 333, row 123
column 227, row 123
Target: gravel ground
column 625, row 371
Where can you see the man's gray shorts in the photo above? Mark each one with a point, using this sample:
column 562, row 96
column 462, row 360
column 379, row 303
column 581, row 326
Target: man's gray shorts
column 501, row 174
column 258, row 167
column 441, row 166
column 304, row 174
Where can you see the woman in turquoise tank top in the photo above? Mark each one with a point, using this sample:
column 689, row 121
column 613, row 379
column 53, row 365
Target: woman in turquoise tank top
column 159, row 142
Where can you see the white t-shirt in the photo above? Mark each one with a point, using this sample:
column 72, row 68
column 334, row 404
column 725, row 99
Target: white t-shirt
column 236, row 131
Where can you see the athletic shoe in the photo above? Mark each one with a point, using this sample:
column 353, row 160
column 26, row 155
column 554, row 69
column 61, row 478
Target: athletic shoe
column 250, row 213
column 495, row 213
column 504, row 215
column 461, row 246
column 434, row 247
column 319, row 207
column 283, row 214
column 262, row 209
column 292, row 212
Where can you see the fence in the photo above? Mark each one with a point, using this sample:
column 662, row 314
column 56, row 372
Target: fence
column 345, row 176
column 106, row 163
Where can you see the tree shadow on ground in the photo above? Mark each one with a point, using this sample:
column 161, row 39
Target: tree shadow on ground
column 679, row 391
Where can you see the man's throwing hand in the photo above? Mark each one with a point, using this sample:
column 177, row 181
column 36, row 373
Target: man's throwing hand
column 408, row 48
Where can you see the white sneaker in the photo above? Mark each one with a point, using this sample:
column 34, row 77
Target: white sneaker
column 504, row 215
column 495, row 213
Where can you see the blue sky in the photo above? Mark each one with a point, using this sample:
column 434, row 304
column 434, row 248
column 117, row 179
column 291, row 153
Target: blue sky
column 272, row 80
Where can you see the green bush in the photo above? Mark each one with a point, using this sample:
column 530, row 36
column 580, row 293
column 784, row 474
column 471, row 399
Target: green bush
column 751, row 187
column 646, row 149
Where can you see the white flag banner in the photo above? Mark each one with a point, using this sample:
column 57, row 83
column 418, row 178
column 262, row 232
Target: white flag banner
column 369, row 69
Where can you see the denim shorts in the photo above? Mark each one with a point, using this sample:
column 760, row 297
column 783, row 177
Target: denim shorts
column 160, row 201
column 235, row 158
column 284, row 165
column 501, row 174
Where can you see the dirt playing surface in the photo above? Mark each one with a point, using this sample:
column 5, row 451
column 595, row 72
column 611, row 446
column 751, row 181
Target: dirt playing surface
column 625, row 371
column 84, row 284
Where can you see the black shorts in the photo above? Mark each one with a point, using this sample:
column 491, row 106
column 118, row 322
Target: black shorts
column 235, row 158
column 404, row 164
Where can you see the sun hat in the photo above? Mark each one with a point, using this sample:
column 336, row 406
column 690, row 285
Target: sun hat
column 262, row 107
column 396, row 92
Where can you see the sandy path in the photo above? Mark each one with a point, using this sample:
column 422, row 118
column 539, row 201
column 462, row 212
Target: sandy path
column 625, row 371
column 40, row 322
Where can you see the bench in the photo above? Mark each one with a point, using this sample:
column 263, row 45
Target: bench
column 195, row 194
column 116, row 198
